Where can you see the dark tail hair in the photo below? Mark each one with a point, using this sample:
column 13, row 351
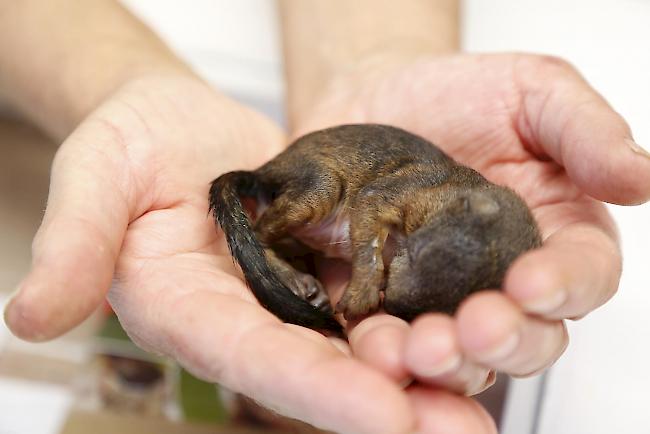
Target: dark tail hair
column 270, row 291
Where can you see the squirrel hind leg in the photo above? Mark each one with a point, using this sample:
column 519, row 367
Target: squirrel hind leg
column 303, row 285
column 311, row 290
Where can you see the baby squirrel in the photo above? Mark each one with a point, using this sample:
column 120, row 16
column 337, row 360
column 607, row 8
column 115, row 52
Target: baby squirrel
column 416, row 226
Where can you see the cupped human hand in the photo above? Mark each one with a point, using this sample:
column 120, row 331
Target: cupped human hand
column 534, row 124
column 127, row 210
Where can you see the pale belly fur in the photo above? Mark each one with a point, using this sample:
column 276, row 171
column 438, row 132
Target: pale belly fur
column 331, row 236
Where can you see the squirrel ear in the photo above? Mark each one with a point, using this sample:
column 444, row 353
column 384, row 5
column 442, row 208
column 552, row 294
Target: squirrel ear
column 481, row 203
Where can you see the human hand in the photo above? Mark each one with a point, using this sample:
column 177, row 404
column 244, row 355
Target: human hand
column 534, row 124
column 128, row 210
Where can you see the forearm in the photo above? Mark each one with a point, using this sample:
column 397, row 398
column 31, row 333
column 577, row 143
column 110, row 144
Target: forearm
column 323, row 39
column 60, row 58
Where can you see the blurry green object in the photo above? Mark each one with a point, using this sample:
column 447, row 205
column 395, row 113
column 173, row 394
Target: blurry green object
column 200, row 400
column 112, row 329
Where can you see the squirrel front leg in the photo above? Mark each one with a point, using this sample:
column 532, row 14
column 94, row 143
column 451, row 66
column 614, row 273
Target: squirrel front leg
column 369, row 228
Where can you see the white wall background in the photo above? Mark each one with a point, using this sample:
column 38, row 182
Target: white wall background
column 234, row 44
column 599, row 386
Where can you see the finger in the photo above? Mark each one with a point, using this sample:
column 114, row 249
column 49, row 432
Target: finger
column 468, row 379
column 293, row 371
column 440, row 412
column 575, row 271
column 564, row 117
column 379, row 341
column 74, row 251
column 494, row 332
column 432, row 353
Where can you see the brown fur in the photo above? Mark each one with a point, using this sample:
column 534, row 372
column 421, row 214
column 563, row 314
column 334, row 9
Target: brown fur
column 423, row 229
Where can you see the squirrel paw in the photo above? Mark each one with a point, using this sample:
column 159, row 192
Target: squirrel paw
column 357, row 304
column 310, row 289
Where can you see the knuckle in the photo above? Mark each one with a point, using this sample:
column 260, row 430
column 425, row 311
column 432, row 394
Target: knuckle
column 549, row 66
column 554, row 63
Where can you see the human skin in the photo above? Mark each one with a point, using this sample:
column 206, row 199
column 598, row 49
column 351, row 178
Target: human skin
column 127, row 210
column 526, row 121
column 128, row 200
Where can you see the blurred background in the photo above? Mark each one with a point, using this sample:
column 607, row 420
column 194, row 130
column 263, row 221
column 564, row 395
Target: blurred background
column 94, row 377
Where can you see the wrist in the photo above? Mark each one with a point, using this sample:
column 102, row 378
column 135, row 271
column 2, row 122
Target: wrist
column 338, row 99
column 61, row 58
column 338, row 40
column 79, row 87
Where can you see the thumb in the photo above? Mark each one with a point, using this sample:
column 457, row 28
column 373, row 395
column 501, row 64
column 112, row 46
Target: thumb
column 576, row 127
column 75, row 248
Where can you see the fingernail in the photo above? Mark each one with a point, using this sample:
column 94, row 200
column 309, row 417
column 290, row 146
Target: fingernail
column 14, row 318
column 10, row 299
column 502, row 350
column 547, row 303
column 482, row 384
column 636, row 148
column 9, row 314
column 447, row 365
column 406, row 382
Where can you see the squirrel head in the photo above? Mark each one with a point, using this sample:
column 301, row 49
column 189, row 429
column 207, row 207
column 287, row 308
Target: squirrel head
column 466, row 246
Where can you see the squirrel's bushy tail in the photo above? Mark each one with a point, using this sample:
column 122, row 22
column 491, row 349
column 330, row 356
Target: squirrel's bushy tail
column 270, row 291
